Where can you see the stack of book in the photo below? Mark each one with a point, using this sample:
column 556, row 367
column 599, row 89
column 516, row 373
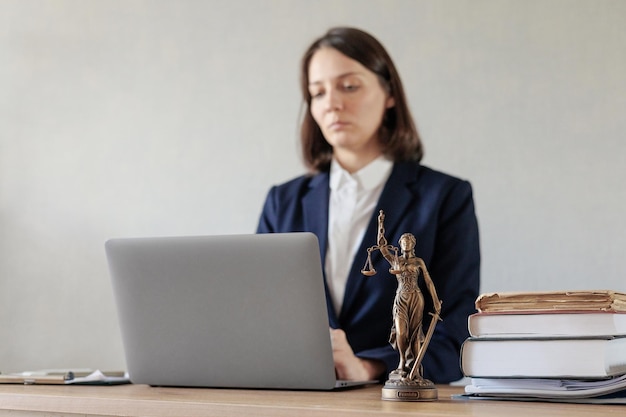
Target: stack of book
column 558, row 345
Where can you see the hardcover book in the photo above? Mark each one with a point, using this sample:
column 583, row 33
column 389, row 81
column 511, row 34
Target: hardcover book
column 547, row 324
column 544, row 358
column 592, row 300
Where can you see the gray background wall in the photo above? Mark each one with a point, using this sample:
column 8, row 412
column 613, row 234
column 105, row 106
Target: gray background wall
column 136, row 118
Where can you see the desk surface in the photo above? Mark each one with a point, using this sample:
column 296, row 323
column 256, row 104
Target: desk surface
column 142, row 400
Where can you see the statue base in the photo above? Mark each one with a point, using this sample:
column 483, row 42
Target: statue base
column 402, row 389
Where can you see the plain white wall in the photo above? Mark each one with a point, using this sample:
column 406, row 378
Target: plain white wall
column 127, row 118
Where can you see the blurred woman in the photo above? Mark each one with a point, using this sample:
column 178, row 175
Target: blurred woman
column 363, row 153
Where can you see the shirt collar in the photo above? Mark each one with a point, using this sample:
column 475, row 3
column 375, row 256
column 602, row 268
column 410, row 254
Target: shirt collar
column 369, row 177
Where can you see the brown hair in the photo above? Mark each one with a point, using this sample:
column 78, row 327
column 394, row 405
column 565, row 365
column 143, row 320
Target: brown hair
column 398, row 134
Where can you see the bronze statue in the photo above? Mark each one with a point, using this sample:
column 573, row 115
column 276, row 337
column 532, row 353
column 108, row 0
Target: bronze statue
column 406, row 383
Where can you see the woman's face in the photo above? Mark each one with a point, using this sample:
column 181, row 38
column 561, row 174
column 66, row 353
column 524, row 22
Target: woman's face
column 348, row 103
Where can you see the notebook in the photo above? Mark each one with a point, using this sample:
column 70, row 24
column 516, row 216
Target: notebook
column 234, row 311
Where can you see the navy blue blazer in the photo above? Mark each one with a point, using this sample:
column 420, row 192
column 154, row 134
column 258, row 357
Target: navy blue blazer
column 435, row 207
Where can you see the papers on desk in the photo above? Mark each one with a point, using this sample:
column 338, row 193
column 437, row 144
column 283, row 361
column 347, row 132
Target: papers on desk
column 603, row 391
column 66, row 377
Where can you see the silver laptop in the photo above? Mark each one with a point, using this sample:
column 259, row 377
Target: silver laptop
column 238, row 311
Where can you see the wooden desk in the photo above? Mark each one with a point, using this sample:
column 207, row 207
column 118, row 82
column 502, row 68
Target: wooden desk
column 142, row 400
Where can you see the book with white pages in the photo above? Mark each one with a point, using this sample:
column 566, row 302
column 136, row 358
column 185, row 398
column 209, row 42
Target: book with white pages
column 544, row 358
column 547, row 324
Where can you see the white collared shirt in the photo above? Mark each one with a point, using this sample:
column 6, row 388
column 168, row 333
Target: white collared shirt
column 353, row 199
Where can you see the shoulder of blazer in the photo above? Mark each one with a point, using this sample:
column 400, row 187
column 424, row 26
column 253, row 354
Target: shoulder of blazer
column 420, row 175
column 300, row 186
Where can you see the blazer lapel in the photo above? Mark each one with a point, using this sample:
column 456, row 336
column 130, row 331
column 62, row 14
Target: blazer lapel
column 315, row 209
column 397, row 195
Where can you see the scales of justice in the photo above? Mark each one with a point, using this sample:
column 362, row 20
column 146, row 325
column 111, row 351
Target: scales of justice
column 406, row 382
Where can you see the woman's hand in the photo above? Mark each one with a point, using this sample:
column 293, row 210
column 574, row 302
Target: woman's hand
column 347, row 365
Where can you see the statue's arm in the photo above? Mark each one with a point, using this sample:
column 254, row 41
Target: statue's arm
column 431, row 286
column 381, row 240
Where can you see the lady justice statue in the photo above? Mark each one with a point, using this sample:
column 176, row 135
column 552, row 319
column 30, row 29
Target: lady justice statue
column 406, row 383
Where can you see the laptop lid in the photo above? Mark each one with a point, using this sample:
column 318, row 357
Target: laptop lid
column 244, row 311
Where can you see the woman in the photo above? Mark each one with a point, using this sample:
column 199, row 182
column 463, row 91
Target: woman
column 363, row 152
